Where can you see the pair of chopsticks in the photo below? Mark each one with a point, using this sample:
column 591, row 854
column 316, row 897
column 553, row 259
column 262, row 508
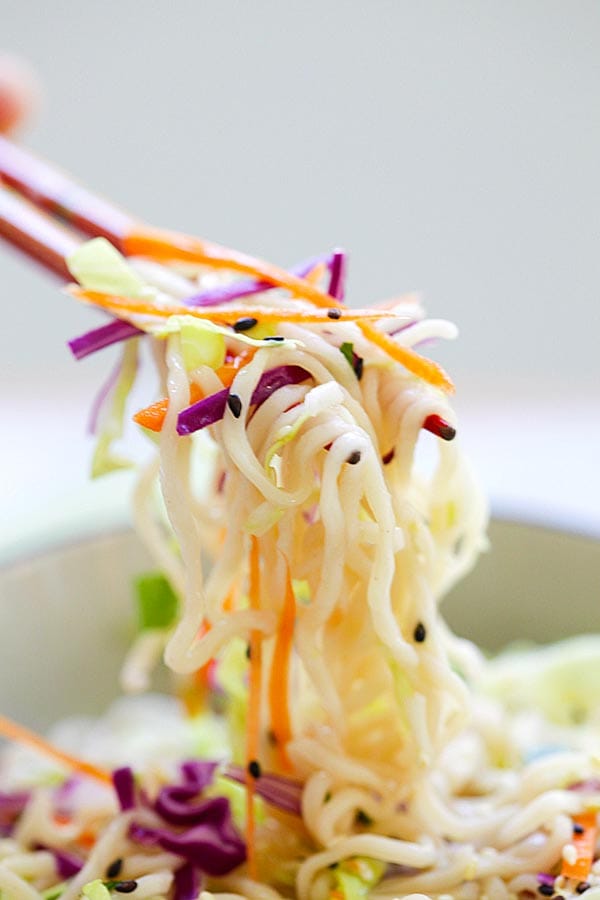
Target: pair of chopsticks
column 35, row 199
column 44, row 212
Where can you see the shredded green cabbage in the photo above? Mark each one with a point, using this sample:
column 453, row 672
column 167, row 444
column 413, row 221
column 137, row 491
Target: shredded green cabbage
column 174, row 324
column 156, row 601
column 96, row 890
column 355, row 877
column 201, row 347
column 562, row 680
column 98, row 266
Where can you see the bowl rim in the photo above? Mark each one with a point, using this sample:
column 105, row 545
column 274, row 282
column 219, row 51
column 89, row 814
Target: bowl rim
column 44, row 542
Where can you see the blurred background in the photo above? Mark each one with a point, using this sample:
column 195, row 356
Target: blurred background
column 451, row 147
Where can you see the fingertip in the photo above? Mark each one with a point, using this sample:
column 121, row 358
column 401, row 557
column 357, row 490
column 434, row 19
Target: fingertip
column 19, row 92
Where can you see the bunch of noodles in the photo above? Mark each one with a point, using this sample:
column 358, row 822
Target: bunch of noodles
column 310, row 540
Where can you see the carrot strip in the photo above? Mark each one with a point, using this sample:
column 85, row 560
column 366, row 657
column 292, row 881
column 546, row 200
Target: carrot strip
column 229, row 370
column 223, row 316
column 585, row 845
column 279, row 685
column 420, row 366
column 164, row 246
column 315, row 275
column 253, row 715
column 15, row 732
column 153, row 416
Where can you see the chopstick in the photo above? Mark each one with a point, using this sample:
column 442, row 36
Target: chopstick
column 59, row 196
column 35, row 234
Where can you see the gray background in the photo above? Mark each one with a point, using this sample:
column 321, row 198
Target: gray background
column 451, row 147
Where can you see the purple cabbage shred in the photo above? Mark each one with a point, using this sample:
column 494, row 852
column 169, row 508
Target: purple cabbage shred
column 11, row 806
column 92, row 341
column 187, row 883
column 278, row 790
column 67, row 864
column 198, row 830
column 337, row 280
column 212, row 409
column 226, row 293
column 124, row 784
column 198, row 773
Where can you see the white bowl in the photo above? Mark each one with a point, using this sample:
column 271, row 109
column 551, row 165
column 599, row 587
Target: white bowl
column 66, row 614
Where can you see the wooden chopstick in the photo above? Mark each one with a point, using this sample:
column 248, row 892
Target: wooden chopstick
column 35, row 233
column 60, row 196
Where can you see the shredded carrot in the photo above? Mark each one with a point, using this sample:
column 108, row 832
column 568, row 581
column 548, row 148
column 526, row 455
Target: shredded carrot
column 61, row 818
column 279, row 686
column 254, row 697
column 153, row 416
column 315, row 275
column 585, row 845
column 87, row 839
column 229, row 370
column 419, row 365
column 230, row 601
column 220, row 316
column 168, row 245
column 22, row 735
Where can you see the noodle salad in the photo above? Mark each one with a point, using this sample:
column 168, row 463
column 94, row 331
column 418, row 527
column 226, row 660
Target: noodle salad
column 328, row 737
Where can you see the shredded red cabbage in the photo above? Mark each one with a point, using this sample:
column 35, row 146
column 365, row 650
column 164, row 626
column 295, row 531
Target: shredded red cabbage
column 174, row 805
column 545, row 878
column 213, row 844
column 198, row 772
column 124, row 784
column 200, row 831
column 67, row 864
column 337, row 280
column 277, row 790
column 187, row 883
column 11, row 807
column 225, row 293
column 98, row 338
column 212, row 409
column 589, row 785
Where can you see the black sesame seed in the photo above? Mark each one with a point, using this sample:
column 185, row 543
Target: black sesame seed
column 358, row 366
column 362, row 818
column 419, row 633
column 275, row 337
column 248, row 652
column 388, row 457
column 254, row 768
column 334, row 313
column 354, row 458
column 114, row 870
column 235, row 405
column 582, row 887
column 125, row 887
column 245, row 324
column 578, row 829
column 546, row 890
